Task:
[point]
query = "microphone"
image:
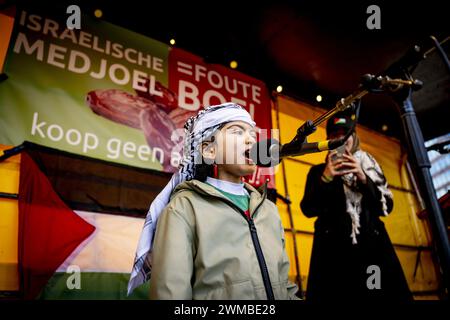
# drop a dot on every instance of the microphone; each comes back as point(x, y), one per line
point(375, 84)
point(269, 152)
point(266, 153)
point(371, 82)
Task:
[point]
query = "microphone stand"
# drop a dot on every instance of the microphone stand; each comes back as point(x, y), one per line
point(369, 84)
point(294, 147)
point(401, 89)
point(417, 153)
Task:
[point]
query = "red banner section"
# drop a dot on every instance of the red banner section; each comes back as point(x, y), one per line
point(197, 84)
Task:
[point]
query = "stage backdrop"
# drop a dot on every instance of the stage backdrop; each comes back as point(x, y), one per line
point(109, 93)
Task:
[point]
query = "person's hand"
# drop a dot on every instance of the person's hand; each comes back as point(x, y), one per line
point(330, 170)
point(350, 164)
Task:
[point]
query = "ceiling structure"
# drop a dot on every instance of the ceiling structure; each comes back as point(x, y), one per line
point(308, 47)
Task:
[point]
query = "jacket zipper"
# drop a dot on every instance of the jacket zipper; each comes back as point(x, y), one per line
point(257, 245)
point(261, 261)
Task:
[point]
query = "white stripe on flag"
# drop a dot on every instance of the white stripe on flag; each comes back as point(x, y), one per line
point(110, 248)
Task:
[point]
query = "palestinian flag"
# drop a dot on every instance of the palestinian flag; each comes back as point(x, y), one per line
point(100, 267)
point(78, 224)
point(339, 121)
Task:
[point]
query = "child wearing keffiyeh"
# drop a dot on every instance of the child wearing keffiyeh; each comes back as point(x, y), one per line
point(208, 235)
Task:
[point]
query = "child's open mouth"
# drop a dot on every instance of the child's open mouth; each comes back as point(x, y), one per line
point(247, 158)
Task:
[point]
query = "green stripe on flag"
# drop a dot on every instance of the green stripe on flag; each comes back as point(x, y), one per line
point(93, 286)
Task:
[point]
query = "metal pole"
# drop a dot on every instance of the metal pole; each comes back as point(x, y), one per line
point(291, 220)
point(341, 105)
point(419, 159)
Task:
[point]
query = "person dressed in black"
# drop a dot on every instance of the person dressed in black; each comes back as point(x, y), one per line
point(352, 255)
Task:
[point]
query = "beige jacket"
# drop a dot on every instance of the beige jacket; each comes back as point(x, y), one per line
point(203, 248)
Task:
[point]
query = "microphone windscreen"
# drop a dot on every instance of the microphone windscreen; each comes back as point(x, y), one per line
point(266, 153)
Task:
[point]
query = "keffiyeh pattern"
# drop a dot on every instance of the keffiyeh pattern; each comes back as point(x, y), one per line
point(353, 197)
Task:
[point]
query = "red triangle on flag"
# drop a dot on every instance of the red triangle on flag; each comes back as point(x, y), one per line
point(48, 229)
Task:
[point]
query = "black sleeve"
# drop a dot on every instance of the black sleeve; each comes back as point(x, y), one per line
point(316, 192)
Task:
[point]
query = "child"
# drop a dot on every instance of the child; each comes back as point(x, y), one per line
point(217, 238)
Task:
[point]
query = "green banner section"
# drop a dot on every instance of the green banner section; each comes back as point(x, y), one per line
point(55, 73)
point(92, 286)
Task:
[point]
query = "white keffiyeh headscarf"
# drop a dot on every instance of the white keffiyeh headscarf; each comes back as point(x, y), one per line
point(353, 197)
point(197, 130)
